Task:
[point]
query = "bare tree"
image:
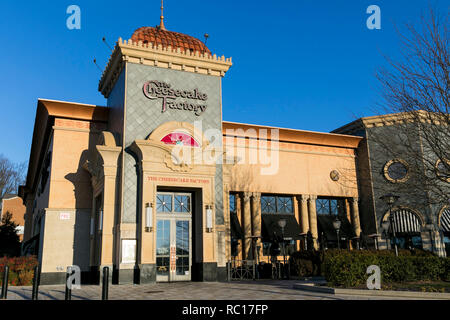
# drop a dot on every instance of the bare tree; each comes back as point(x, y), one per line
point(416, 89)
point(11, 176)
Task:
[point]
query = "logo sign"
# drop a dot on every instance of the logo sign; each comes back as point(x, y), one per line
point(189, 100)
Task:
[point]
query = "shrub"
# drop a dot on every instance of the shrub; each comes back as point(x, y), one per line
point(348, 268)
point(21, 270)
point(306, 263)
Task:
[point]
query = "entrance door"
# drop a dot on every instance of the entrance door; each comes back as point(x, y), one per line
point(173, 236)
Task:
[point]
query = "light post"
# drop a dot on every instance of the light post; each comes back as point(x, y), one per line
point(282, 225)
point(337, 227)
point(388, 225)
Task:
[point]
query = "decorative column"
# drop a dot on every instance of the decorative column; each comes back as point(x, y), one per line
point(298, 218)
point(313, 219)
point(304, 217)
point(247, 224)
point(355, 217)
point(256, 217)
point(109, 156)
point(227, 221)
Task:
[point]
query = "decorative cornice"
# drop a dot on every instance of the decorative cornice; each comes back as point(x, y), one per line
point(159, 56)
point(392, 119)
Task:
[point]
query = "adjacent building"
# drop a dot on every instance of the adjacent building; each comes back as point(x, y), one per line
point(14, 205)
point(393, 158)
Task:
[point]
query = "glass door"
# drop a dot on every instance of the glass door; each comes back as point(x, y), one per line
point(173, 237)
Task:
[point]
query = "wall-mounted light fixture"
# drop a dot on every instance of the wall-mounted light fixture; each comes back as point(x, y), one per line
point(149, 217)
point(92, 226)
point(100, 220)
point(209, 223)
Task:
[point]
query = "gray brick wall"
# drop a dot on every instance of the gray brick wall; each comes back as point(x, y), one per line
point(144, 115)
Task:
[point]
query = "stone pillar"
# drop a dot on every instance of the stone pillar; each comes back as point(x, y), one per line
point(247, 223)
point(355, 217)
point(304, 217)
point(312, 213)
point(109, 156)
point(256, 217)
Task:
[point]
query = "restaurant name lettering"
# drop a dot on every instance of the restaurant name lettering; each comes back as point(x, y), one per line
point(161, 90)
point(176, 179)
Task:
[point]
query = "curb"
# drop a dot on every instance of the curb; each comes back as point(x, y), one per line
point(374, 293)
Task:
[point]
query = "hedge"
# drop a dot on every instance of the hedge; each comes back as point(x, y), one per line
point(348, 268)
point(21, 270)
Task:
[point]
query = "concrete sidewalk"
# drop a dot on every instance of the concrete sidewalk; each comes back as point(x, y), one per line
point(236, 290)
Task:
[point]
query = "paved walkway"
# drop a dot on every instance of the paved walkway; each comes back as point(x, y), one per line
point(242, 290)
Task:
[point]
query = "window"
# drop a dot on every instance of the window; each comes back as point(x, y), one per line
point(276, 204)
point(396, 171)
point(169, 202)
point(180, 138)
point(164, 203)
point(329, 206)
point(443, 170)
point(232, 203)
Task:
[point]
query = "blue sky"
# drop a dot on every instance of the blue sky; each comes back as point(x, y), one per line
point(303, 64)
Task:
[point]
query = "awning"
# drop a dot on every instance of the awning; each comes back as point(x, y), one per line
point(325, 224)
point(445, 220)
point(405, 221)
point(271, 230)
point(236, 230)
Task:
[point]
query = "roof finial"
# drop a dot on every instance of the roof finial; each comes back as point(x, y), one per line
point(161, 25)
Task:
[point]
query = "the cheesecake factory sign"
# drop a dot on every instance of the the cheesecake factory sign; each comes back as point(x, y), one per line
point(189, 100)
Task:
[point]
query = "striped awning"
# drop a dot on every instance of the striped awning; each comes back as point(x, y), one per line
point(405, 221)
point(445, 220)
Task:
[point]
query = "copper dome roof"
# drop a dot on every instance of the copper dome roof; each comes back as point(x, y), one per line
point(166, 38)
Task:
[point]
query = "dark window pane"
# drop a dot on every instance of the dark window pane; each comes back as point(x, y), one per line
point(284, 205)
point(232, 203)
point(164, 203)
point(162, 266)
point(323, 206)
point(182, 203)
point(397, 170)
point(334, 206)
point(268, 204)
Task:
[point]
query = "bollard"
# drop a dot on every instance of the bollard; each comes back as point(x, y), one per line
point(36, 280)
point(68, 292)
point(5, 283)
point(105, 283)
point(229, 271)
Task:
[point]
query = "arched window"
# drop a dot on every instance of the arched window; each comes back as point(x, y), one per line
point(405, 221)
point(180, 138)
point(445, 221)
point(407, 226)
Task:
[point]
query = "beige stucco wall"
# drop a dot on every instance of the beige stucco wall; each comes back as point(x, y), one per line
point(298, 169)
point(66, 237)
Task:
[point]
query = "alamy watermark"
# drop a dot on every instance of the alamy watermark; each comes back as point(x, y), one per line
point(74, 278)
point(73, 22)
point(233, 146)
point(374, 20)
point(374, 280)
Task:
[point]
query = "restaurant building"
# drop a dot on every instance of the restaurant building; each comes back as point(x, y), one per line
point(157, 187)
